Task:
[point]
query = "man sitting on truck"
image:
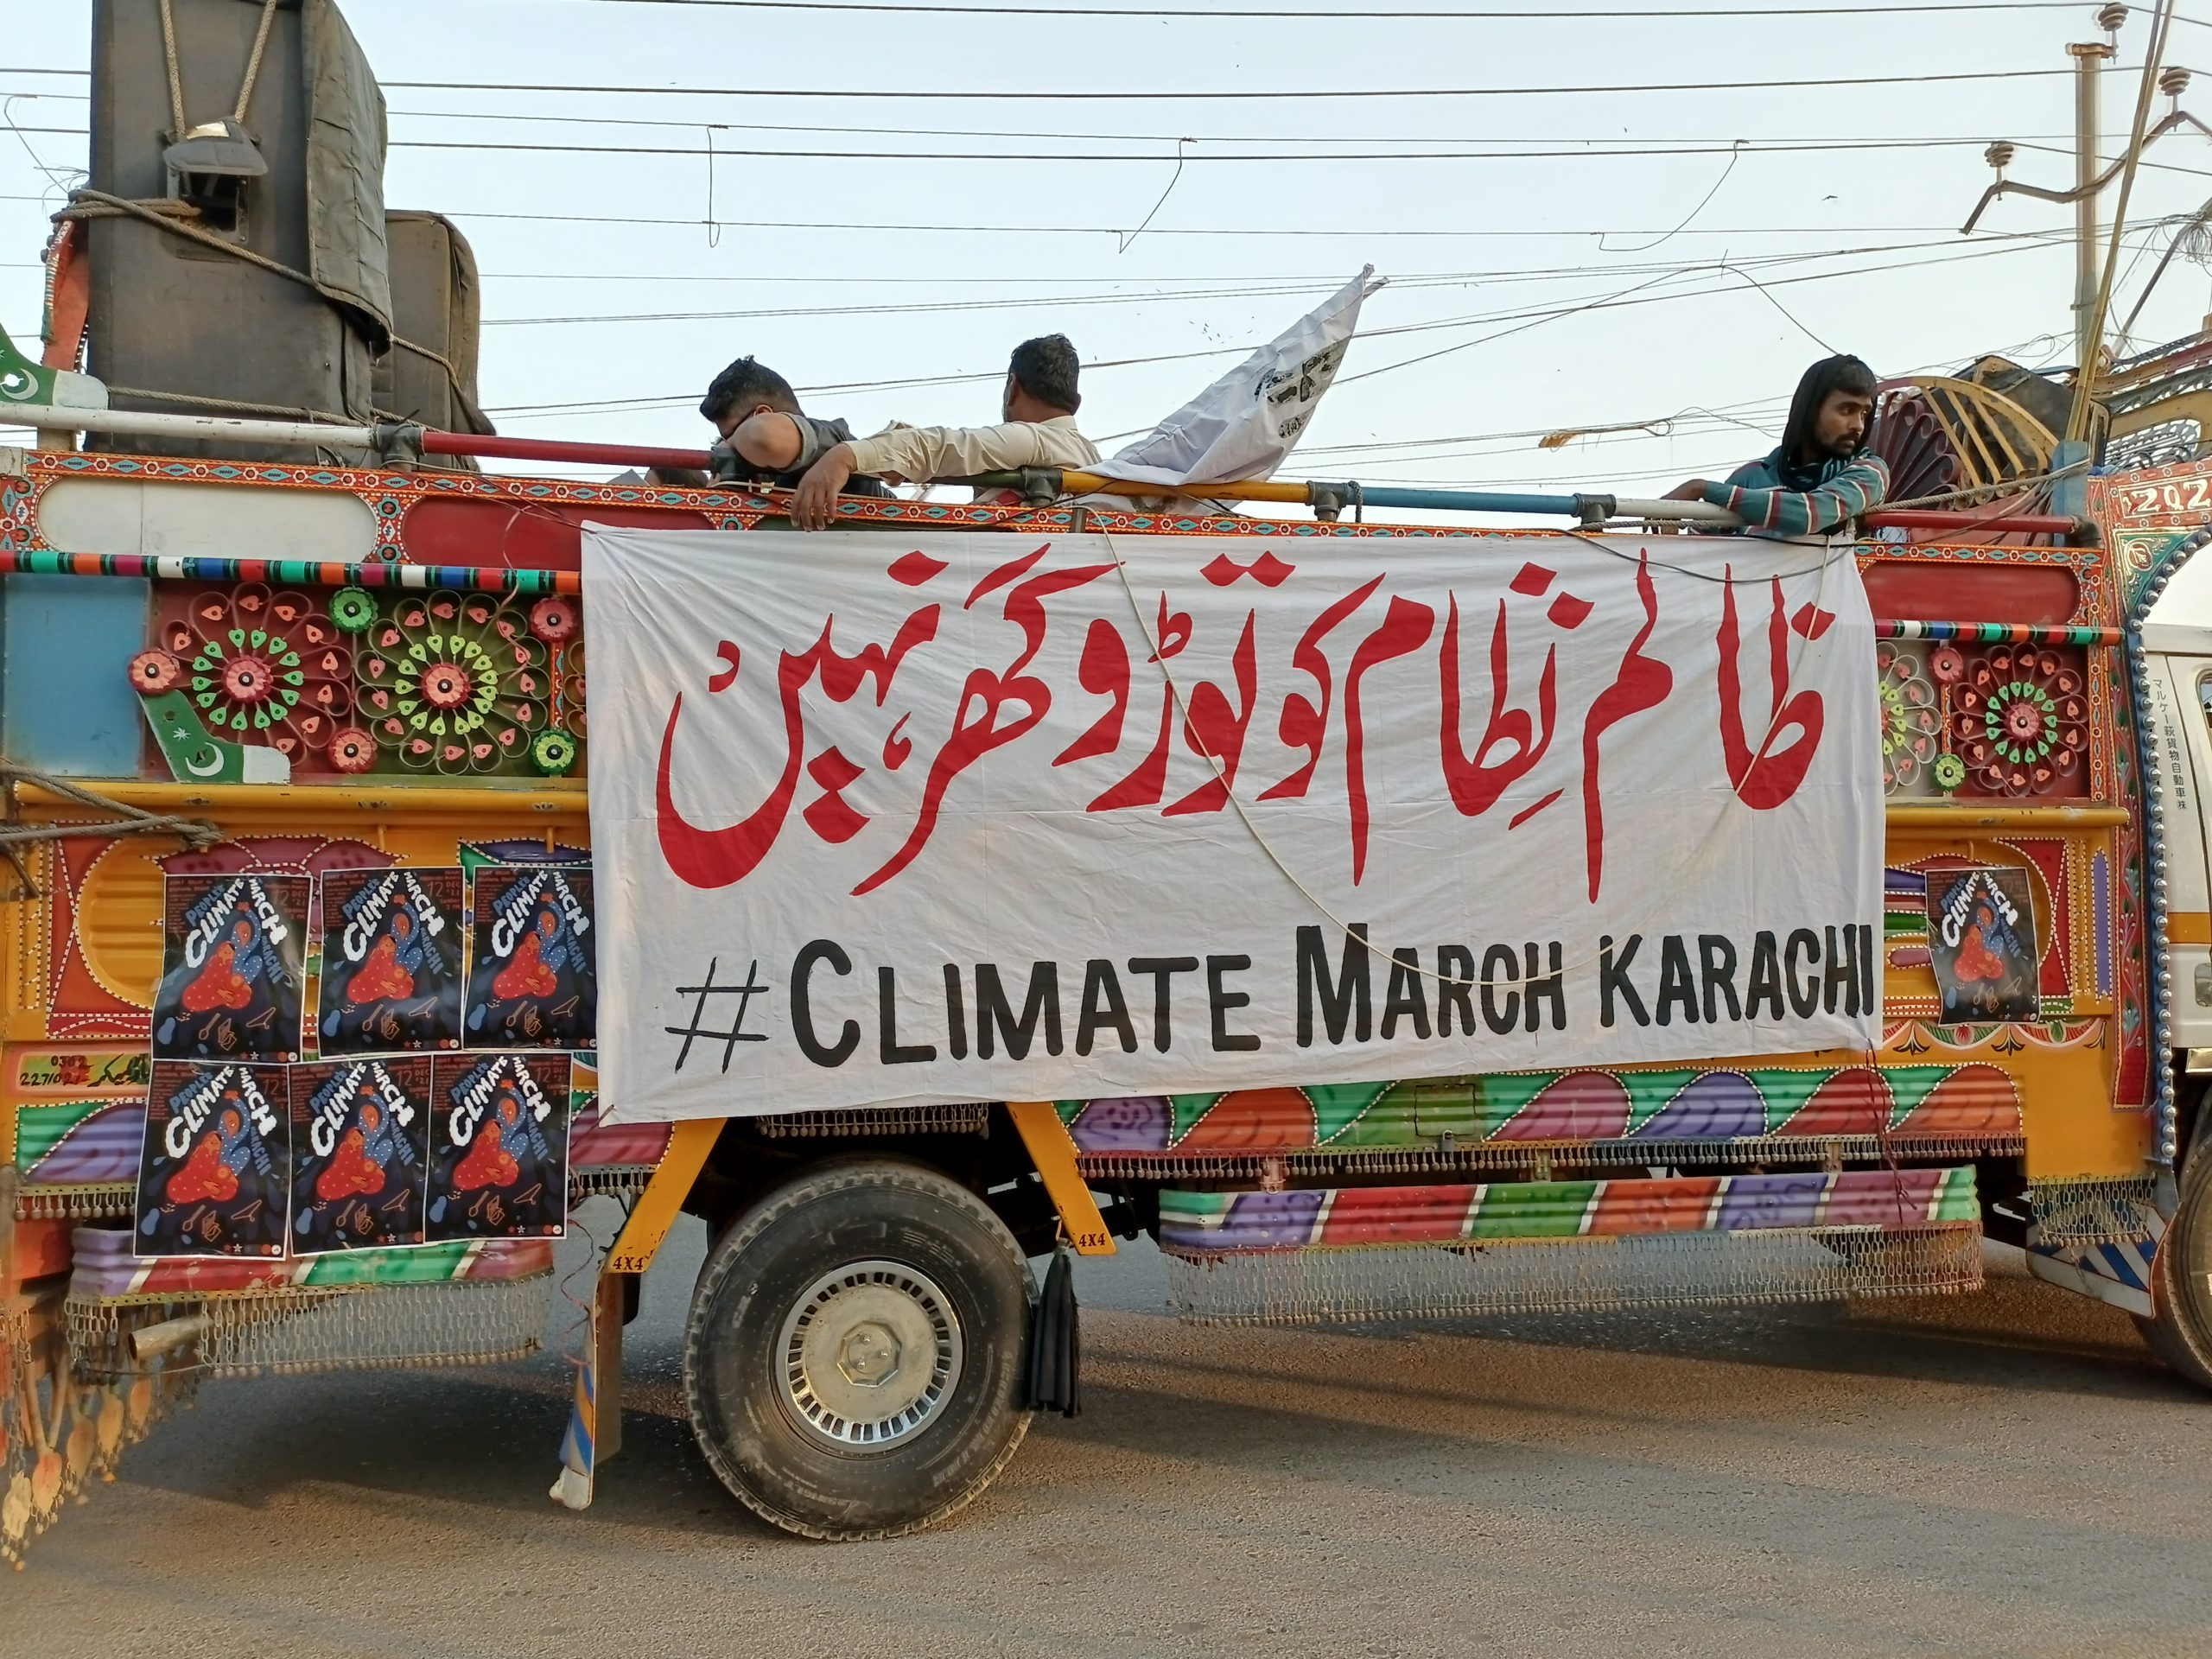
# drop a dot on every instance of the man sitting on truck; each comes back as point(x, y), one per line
point(1038, 430)
point(1823, 475)
point(766, 439)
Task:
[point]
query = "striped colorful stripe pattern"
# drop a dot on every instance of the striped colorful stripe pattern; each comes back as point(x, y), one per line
point(1971, 1102)
point(1214, 1223)
point(291, 573)
point(95, 1143)
point(2002, 634)
point(499, 579)
point(105, 1271)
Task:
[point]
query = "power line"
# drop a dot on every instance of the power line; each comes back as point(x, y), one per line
point(1236, 94)
point(1522, 318)
point(1751, 146)
point(1593, 146)
point(1363, 15)
point(1287, 288)
point(1425, 232)
point(1765, 147)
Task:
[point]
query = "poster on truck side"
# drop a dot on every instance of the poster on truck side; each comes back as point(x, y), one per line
point(360, 1137)
point(391, 979)
point(1982, 943)
point(499, 1145)
point(233, 949)
point(969, 815)
point(533, 979)
point(214, 1170)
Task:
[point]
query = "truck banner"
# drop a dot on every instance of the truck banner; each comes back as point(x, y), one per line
point(1061, 817)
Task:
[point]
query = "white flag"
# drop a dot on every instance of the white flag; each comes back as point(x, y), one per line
point(1243, 426)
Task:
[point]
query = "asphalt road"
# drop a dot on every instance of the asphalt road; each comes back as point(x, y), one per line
point(2007, 1474)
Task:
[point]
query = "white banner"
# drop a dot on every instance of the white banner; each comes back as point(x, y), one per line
point(887, 818)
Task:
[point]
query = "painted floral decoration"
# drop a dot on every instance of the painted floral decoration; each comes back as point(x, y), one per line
point(352, 750)
point(155, 671)
point(455, 683)
point(353, 609)
point(554, 753)
point(1912, 724)
point(261, 666)
point(2019, 719)
point(553, 619)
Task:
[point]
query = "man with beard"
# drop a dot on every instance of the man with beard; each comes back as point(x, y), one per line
point(1823, 475)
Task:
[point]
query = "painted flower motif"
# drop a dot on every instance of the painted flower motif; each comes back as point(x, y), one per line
point(2020, 721)
point(352, 750)
point(152, 672)
point(353, 609)
point(262, 667)
point(554, 619)
point(455, 683)
point(1947, 664)
point(1950, 772)
point(553, 753)
point(1911, 723)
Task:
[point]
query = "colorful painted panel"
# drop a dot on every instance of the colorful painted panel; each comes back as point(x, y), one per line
point(1975, 1101)
point(242, 683)
point(1206, 1223)
point(105, 1270)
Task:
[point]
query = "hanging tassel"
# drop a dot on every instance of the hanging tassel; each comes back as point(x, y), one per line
point(1055, 1342)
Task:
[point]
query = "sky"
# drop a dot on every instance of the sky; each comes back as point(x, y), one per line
point(1545, 276)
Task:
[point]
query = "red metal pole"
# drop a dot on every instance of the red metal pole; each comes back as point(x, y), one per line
point(608, 454)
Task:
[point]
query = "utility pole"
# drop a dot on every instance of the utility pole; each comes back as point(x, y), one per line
point(2091, 172)
point(2090, 60)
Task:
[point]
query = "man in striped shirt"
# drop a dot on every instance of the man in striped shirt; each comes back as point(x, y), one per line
point(1823, 475)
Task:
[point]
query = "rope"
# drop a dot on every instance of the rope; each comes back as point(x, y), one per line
point(98, 204)
point(231, 405)
point(253, 62)
point(196, 833)
point(176, 81)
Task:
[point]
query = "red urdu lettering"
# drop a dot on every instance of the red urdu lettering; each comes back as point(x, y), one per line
point(1104, 670)
point(1405, 629)
point(1145, 785)
point(1765, 779)
point(1304, 724)
point(716, 858)
point(972, 738)
point(1477, 781)
point(1643, 683)
point(1215, 731)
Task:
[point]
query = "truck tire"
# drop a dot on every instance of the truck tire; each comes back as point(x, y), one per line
point(854, 1361)
point(2180, 1328)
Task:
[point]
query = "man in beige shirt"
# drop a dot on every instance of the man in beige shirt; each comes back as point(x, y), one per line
point(1039, 429)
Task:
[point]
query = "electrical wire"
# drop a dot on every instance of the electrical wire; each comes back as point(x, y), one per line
point(936, 8)
point(1522, 320)
point(1241, 94)
point(1287, 289)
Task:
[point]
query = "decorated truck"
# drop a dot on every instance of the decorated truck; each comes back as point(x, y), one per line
point(1384, 920)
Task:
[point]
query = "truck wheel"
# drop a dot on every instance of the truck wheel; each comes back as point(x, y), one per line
point(854, 1361)
point(2180, 1328)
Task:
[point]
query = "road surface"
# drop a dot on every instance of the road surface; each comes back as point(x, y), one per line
point(2005, 1474)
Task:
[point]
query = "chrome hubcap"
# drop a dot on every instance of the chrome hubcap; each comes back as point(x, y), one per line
point(869, 1353)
